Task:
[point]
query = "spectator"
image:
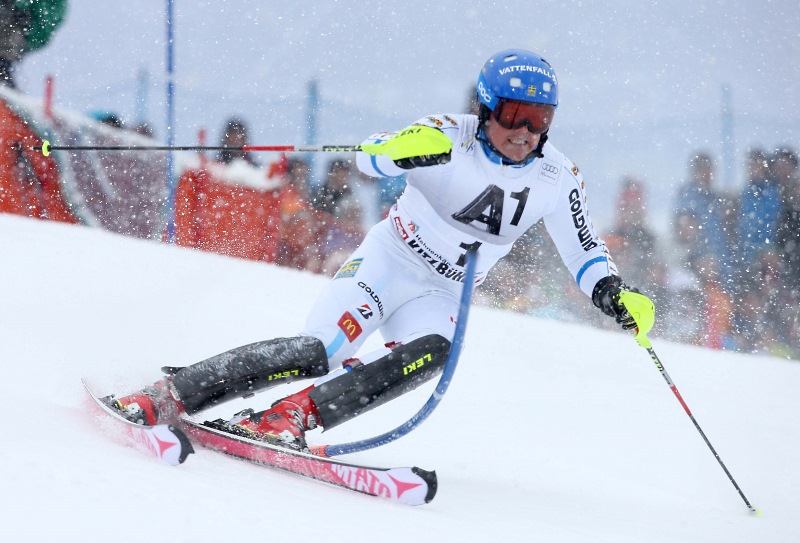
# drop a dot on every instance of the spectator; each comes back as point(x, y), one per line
point(760, 204)
point(698, 198)
point(632, 241)
point(109, 119)
point(302, 226)
point(27, 25)
point(144, 129)
point(337, 194)
point(787, 237)
point(683, 319)
point(717, 306)
point(759, 314)
point(314, 237)
point(235, 134)
point(783, 167)
point(337, 197)
point(473, 106)
point(507, 289)
point(749, 322)
point(685, 312)
point(792, 320)
point(298, 176)
point(634, 244)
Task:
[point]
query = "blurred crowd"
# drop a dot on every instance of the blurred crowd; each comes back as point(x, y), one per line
point(324, 222)
point(324, 217)
point(727, 276)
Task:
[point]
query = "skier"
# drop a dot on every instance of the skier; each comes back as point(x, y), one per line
point(475, 182)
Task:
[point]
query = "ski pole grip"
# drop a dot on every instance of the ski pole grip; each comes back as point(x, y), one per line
point(643, 311)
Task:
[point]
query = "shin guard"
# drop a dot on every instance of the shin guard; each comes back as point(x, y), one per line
point(249, 369)
point(370, 385)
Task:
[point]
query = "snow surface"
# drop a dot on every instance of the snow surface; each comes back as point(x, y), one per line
point(549, 432)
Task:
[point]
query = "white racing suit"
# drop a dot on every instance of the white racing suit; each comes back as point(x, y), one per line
point(406, 277)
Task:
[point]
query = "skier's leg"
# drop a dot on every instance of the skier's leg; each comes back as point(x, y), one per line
point(346, 312)
point(238, 372)
point(425, 323)
point(421, 329)
point(249, 369)
point(349, 394)
point(377, 279)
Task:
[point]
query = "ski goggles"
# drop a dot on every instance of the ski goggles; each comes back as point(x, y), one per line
point(512, 114)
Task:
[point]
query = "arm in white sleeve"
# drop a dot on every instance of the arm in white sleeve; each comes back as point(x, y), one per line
point(378, 165)
point(571, 229)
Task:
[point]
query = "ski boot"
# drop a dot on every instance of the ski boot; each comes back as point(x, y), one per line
point(154, 404)
point(284, 424)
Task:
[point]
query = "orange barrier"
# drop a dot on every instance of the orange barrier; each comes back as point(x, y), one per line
point(213, 215)
point(250, 214)
point(29, 181)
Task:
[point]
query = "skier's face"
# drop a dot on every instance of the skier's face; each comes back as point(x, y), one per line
point(515, 143)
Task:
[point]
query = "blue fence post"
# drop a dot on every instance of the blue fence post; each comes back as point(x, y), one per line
point(171, 182)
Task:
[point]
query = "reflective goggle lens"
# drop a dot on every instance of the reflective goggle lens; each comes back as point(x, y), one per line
point(511, 114)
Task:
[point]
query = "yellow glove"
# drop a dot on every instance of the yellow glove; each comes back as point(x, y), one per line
point(415, 146)
point(643, 311)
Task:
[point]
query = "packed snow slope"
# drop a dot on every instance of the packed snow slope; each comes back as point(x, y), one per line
point(549, 432)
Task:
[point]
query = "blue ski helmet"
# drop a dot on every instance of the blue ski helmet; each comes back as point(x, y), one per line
point(516, 74)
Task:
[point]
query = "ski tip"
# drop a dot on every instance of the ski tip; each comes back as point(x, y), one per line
point(430, 479)
point(186, 444)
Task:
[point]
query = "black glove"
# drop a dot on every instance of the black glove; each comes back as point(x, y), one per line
point(606, 297)
point(421, 161)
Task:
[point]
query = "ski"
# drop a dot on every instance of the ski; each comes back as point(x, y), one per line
point(410, 486)
point(165, 441)
point(170, 443)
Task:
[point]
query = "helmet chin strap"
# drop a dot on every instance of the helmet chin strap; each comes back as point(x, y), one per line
point(492, 151)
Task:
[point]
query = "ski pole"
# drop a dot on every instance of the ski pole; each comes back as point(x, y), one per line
point(636, 304)
point(46, 147)
point(411, 142)
point(441, 387)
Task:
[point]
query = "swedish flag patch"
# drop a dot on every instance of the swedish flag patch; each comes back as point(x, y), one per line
point(349, 269)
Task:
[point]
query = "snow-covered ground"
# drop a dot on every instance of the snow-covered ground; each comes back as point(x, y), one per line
point(549, 432)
